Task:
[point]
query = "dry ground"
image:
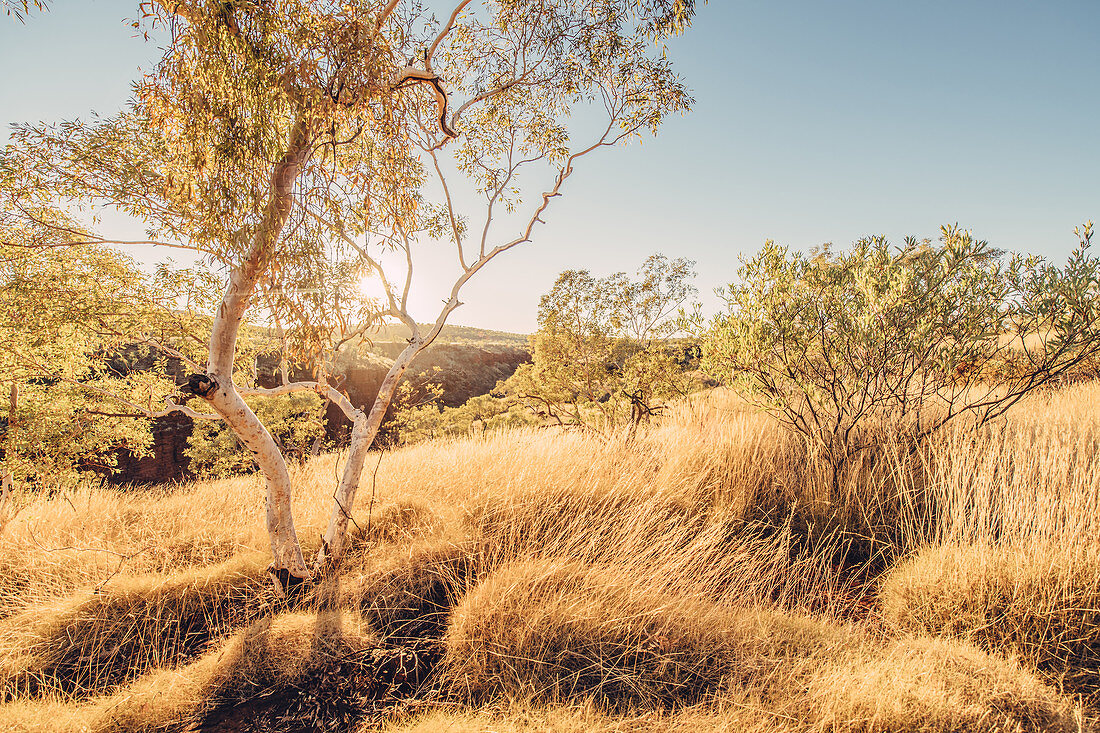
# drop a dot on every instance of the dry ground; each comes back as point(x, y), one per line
point(706, 576)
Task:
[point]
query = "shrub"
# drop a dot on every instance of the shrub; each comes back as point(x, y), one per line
point(294, 420)
point(846, 348)
point(604, 354)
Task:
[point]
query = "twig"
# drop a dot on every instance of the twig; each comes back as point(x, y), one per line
point(122, 557)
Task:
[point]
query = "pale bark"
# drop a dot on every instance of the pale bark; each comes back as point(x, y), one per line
point(365, 427)
point(220, 390)
point(5, 493)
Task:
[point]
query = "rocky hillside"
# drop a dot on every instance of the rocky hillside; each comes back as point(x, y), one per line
point(470, 362)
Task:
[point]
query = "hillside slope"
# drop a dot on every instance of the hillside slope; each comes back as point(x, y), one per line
point(703, 576)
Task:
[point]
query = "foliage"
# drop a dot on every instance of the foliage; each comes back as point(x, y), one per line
point(90, 346)
point(19, 9)
point(846, 347)
point(604, 354)
point(477, 415)
point(418, 412)
point(302, 145)
point(70, 399)
point(296, 422)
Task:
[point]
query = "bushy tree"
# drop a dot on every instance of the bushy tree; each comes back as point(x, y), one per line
point(604, 353)
point(71, 401)
point(850, 347)
point(300, 145)
point(91, 347)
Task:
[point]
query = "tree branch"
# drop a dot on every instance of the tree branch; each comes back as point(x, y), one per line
point(324, 390)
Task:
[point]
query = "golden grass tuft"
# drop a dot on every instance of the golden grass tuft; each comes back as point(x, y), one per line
point(1039, 603)
point(105, 636)
point(408, 594)
point(554, 632)
point(915, 684)
point(274, 657)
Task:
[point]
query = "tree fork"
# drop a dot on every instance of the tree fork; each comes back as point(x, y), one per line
point(365, 429)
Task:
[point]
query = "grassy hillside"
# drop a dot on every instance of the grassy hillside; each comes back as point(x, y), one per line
point(708, 575)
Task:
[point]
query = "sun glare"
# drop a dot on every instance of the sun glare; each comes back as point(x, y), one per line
point(371, 288)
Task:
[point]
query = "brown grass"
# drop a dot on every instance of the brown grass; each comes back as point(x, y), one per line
point(543, 632)
point(269, 658)
point(707, 575)
point(1040, 603)
point(99, 638)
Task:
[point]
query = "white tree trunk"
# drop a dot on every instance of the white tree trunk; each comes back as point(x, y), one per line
point(218, 387)
point(285, 549)
point(364, 430)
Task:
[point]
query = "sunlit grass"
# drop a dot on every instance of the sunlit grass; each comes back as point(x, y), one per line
point(586, 583)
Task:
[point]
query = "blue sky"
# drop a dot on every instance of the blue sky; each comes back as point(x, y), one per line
point(815, 122)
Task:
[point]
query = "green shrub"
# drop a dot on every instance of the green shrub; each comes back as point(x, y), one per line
point(846, 347)
point(296, 421)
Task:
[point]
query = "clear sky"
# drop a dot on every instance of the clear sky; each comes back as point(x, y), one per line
point(815, 122)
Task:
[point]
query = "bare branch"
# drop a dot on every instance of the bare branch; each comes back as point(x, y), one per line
point(423, 76)
point(324, 390)
point(443, 34)
point(450, 208)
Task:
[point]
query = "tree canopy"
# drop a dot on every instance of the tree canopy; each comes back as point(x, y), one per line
point(604, 354)
point(299, 145)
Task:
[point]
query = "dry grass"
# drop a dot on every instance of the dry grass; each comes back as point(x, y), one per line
point(707, 575)
point(96, 639)
point(556, 631)
point(1039, 602)
point(268, 658)
point(720, 716)
point(540, 632)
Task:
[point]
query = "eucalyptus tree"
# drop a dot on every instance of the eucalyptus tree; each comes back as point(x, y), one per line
point(301, 145)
